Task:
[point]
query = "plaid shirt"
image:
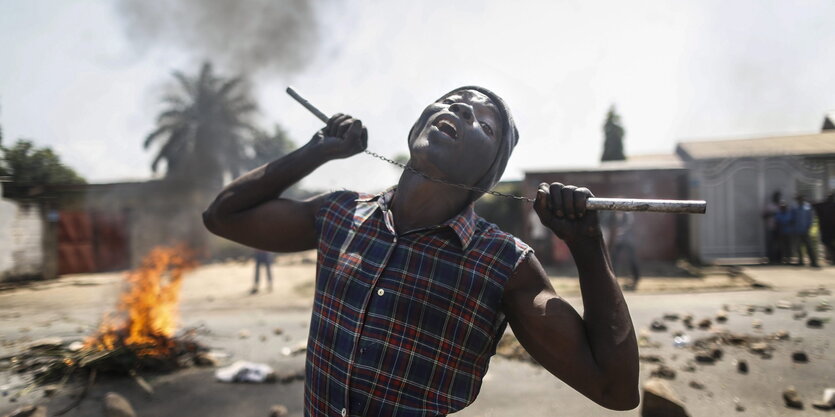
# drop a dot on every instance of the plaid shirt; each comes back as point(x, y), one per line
point(403, 325)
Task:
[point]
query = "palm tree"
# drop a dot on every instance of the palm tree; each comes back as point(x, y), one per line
point(205, 130)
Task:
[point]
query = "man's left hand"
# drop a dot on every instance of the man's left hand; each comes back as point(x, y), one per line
point(562, 208)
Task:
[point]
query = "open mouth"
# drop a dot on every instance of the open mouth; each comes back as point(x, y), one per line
point(447, 127)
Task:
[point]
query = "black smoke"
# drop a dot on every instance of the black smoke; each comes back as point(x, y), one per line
point(248, 36)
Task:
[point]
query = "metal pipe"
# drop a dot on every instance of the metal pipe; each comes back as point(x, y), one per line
point(656, 206)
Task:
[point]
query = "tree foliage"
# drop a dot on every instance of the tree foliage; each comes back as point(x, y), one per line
point(25, 164)
point(613, 132)
point(267, 147)
point(205, 131)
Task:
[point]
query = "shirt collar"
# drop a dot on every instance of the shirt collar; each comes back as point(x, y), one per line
point(463, 224)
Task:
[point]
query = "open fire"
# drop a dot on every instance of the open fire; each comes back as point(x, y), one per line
point(146, 318)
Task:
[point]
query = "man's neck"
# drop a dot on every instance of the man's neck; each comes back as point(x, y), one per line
point(419, 203)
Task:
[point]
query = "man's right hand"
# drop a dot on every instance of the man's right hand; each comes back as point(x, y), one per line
point(342, 137)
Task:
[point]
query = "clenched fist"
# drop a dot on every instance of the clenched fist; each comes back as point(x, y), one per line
point(342, 137)
point(562, 208)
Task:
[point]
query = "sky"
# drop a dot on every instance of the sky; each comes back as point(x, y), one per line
point(74, 77)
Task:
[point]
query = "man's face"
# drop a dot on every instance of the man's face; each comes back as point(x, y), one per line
point(457, 137)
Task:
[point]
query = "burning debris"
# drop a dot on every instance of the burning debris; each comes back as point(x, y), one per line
point(139, 335)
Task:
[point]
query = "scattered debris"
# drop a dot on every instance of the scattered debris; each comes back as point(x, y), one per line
point(681, 341)
point(279, 410)
point(242, 371)
point(800, 357)
point(780, 335)
point(28, 411)
point(768, 309)
point(814, 323)
point(658, 326)
point(650, 358)
point(705, 324)
point(664, 371)
point(721, 317)
point(688, 368)
point(813, 293)
point(244, 334)
point(704, 357)
point(661, 401)
point(823, 306)
point(278, 331)
point(785, 304)
point(116, 405)
point(760, 348)
point(792, 398)
point(206, 359)
point(687, 320)
point(799, 315)
point(671, 316)
point(738, 405)
point(697, 385)
point(828, 402)
point(742, 366)
point(301, 347)
point(757, 324)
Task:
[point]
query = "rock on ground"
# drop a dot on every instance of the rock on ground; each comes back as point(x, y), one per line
point(116, 405)
point(792, 398)
point(661, 401)
point(278, 411)
point(28, 411)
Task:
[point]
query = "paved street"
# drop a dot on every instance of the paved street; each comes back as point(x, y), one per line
point(216, 303)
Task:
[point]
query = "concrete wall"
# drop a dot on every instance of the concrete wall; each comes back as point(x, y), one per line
point(737, 190)
point(21, 240)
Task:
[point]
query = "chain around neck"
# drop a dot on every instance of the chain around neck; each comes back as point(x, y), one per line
point(439, 180)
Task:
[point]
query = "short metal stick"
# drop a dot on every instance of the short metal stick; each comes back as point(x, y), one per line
point(656, 206)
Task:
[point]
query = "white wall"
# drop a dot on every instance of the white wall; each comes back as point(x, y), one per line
point(21, 234)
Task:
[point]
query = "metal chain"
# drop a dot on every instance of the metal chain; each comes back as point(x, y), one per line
point(442, 181)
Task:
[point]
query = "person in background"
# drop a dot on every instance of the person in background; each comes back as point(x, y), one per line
point(772, 238)
point(784, 223)
point(263, 258)
point(826, 224)
point(621, 244)
point(803, 216)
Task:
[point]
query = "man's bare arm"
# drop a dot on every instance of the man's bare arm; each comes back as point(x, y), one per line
point(250, 211)
point(597, 353)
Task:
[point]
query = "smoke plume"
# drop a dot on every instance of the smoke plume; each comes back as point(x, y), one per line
point(243, 35)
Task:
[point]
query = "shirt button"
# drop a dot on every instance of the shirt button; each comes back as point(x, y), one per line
point(380, 292)
point(344, 412)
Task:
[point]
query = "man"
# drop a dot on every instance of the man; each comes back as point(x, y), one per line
point(826, 224)
point(803, 217)
point(772, 245)
point(266, 259)
point(414, 290)
point(621, 244)
point(784, 222)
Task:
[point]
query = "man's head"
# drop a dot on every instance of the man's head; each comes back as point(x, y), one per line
point(776, 197)
point(464, 137)
point(799, 198)
point(783, 206)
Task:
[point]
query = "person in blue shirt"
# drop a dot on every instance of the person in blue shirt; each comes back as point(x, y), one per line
point(784, 224)
point(803, 217)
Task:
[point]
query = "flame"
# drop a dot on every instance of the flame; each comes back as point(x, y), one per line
point(146, 317)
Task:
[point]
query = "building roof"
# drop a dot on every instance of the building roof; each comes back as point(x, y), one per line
point(646, 162)
point(815, 144)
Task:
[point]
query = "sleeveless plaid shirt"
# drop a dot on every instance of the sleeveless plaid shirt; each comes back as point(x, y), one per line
point(403, 324)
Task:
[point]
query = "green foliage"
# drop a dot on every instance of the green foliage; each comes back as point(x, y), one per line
point(614, 132)
point(25, 164)
point(267, 147)
point(205, 131)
